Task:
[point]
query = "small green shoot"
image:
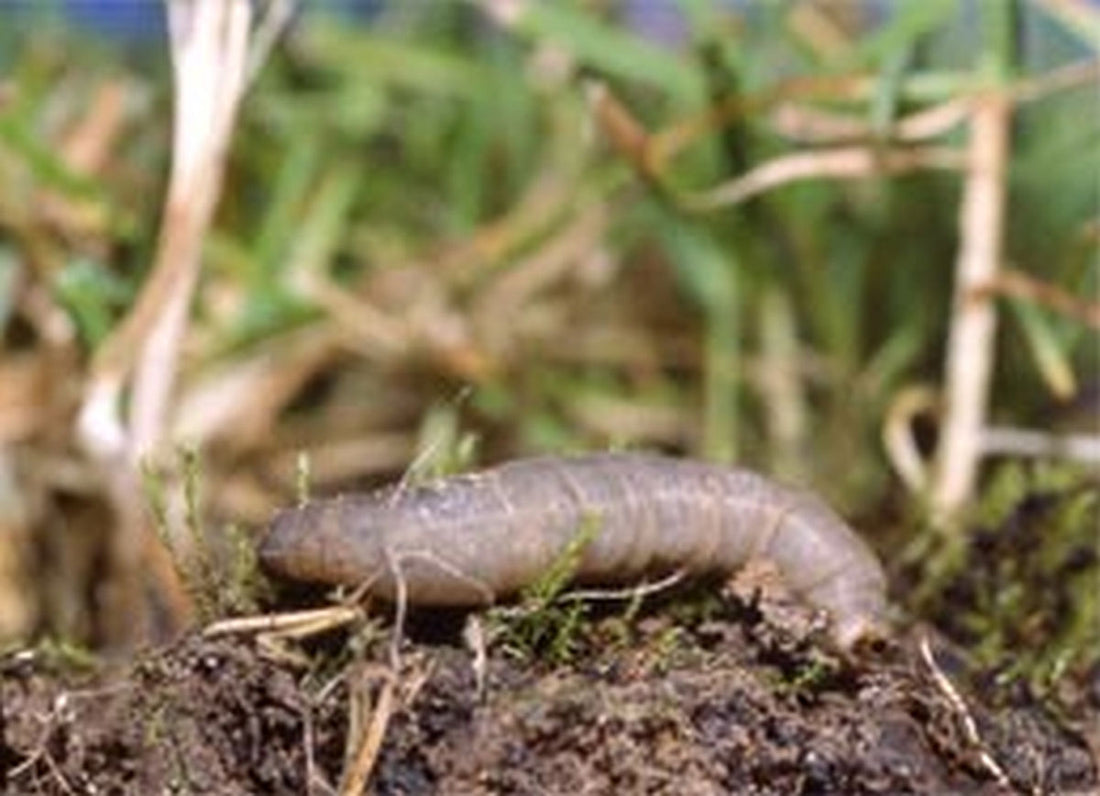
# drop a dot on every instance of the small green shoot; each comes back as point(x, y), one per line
point(152, 484)
point(621, 626)
point(51, 654)
point(218, 574)
point(811, 676)
point(196, 530)
point(302, 477)
point(543, 626)
point(444, 448)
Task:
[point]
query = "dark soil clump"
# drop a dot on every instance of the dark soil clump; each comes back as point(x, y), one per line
point(727, 700)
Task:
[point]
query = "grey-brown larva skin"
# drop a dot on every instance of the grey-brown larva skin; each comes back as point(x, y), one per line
point(470, 539)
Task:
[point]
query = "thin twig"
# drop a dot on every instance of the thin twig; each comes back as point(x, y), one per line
point(307, 747)
point(958, 704)
point(362, 764)
point(292, 623)
point(473, 635)
point(401, 608)
point(630, 593)
point(488, 596)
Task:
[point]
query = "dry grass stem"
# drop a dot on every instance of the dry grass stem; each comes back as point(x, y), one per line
point(628, 419)
point(549, 195)
point(292, 624)
point(970, 346)
point(209, 46)
point(782, 388)
point(1075, 75)
point(641, 591)
point(1016, 284)
point(370, 741)
point(666, 144)
point(625, 133)
point(86, 148)
point(819, 29)
point(502, 305)
point(822, 126)
point(375, 333)
point(817, 126)
point(845, 163)
point(1074, 15)
point(1083, 448)
point(897, 435)
point(241, 401)
point(209, 43)
point(474, 637)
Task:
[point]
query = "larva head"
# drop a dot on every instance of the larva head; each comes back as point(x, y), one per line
point(827, 563)
point(316, 543)
point(856, 604)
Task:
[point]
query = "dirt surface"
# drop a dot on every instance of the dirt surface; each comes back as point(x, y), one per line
point(730, 694)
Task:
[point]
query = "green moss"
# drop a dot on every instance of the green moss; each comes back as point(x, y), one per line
point(543, 626)
point(1021, 590)
point(219, 573)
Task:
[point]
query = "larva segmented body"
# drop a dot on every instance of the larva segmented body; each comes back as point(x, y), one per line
point(470, 539)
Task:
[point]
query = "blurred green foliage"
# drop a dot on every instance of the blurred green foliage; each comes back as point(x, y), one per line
point(366, 147)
